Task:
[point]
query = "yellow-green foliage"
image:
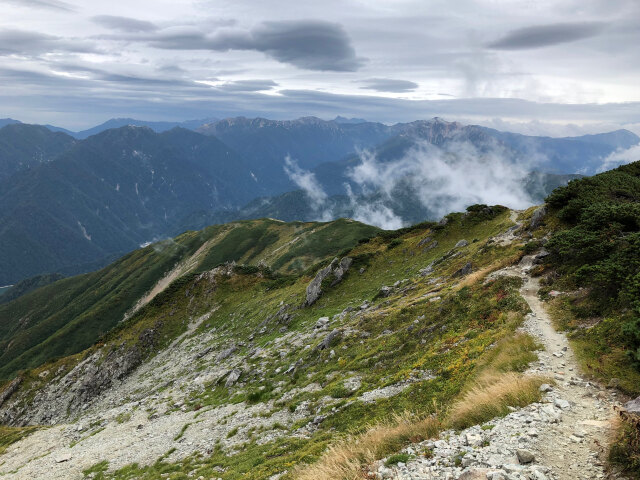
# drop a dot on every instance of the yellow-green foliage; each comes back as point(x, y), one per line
point(403, 335)
point(10, 435)
point(597, 343)
point(493, 396)
point(624, 451)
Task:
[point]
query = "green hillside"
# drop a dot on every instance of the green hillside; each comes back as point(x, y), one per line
point(221, 340)
point(70, 315)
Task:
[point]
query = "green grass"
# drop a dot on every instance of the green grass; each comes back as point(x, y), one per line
point(624, 451)
point(396, 459)
point(448, 338)
point(10, 435)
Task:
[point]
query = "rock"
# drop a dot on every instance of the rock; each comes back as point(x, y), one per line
point(424, 241)
point(341, 269)
point(330, 340)
point(233, 377)
point(561, 403)
point(539, 258)
point(314, 289)
point(633, 406)
point(474, 474)
point(461, 243)
point(426, 270)
point(62, 457)
point(226, 353)
point(385, 291)
point(536, 218)
point(525, 456)
point(545, 387)
point(10, 390)
point(322, 322)
point(466, 270)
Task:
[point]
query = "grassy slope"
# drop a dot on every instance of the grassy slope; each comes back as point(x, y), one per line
point(407, 333)
point(594, 228)
point(70, 315)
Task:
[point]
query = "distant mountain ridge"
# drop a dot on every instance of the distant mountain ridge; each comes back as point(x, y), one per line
point(71, 205)
point(109, 194)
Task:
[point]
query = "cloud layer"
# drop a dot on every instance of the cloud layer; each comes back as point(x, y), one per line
point(388, 60)
point(547, 35)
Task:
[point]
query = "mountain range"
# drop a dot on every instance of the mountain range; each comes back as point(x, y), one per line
point(70, 205)
point(267, 350)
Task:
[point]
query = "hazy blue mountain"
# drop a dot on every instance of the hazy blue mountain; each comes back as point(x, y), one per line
point(26, 146)
point(309, 141)
point(157, 126)
point(7, 121)
point(111, 193)
point(341, 119)
point(581, 154)
point(69, 205)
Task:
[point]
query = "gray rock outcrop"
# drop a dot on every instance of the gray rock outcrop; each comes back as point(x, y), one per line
point(536, 218)
point(338, 269)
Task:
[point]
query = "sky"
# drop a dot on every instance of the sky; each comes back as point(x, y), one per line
point(556, 67)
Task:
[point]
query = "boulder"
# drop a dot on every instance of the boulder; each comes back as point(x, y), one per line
point(461, 243)
point(424, 241)
point(341, 269)
point(330, 340)
point(525, 456)
point(337, 268)
point(10, 390)
point(633, 406)
point(536, 218)
point(466, 270)
point(426, 270)
point(233, 377)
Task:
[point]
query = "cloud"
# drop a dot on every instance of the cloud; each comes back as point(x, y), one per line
point(307, 44)
point(547, 35)
point(306, 181)
point(445, 179)
point(621, 157)
point(124, 24)
point(24, 42)
point(388, 85)
point(47, 4)
point(247, 85)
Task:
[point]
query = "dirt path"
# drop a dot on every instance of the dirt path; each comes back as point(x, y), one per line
point(566, 433)
point(574, 448)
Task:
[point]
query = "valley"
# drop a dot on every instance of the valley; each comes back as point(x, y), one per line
point(250, 365)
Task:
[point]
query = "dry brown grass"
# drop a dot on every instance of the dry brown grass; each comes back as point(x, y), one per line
point(492, 396)
point(479, 275)
point(347, 459)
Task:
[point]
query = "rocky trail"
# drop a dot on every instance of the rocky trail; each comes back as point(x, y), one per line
point(563, 437)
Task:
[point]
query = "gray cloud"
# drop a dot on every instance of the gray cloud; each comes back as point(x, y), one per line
point(124, 24)
point(547, 35)
point(24, 42)
point(307, 44)
point(48, 4)
point(388, 85)
point(247, 85)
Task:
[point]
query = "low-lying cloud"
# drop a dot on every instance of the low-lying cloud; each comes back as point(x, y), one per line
point(306, 181)
point(621, 157)
point(429, 178)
